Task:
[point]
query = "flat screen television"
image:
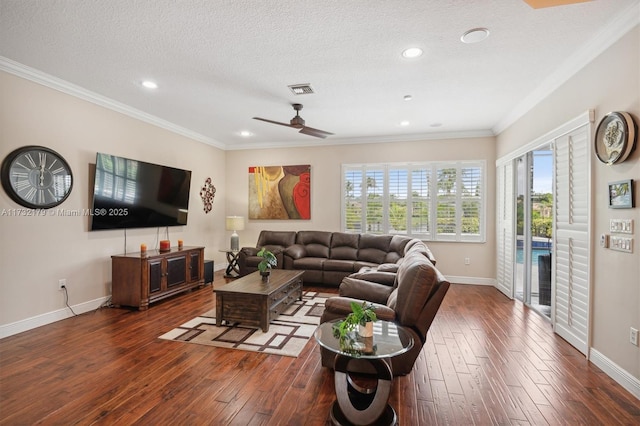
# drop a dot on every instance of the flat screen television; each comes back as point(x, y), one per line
point(134, 194)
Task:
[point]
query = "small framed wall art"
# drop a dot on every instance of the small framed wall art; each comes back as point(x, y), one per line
point(621, 194)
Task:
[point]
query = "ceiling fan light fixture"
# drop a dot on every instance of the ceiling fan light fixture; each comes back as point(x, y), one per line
point(474, 35)
point(246, 133)
point(412, 52)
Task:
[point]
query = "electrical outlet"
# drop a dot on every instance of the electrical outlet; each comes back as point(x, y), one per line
point(633, 336)
point(62, 283)
point(467, 261)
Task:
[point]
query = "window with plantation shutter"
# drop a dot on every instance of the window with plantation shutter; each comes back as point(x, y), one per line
point(431, 201)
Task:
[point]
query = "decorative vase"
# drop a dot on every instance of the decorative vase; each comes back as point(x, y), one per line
point(265, 275)
point(366, 330)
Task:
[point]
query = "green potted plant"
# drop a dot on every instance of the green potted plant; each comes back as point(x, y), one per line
point(360, 319)
point(268, 261)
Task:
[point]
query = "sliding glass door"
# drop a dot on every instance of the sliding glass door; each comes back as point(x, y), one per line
point(534, 207)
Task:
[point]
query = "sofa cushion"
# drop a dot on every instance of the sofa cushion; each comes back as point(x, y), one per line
point(415, 281)
point(344, 246)
point(282, 239)
point(352, 287)
point(396, 248)
point(309, 263)
point(316, 242)
point(388, 267)
point(420, 247)
point(338, 265)
point(373, 248)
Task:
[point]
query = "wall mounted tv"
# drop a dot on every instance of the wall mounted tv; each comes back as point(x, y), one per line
point(134, 194)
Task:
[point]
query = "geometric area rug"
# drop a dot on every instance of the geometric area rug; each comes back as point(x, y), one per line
point(287, 335)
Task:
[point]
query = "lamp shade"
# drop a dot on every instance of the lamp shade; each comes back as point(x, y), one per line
point(235, 223)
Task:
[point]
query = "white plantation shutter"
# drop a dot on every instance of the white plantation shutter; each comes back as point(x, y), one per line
point(431, 201)
point(571, 227)
point(472, 196)
point(397, 204)
point(352, 208)
point(374, 190)
point(420, 202)
point(504, 228)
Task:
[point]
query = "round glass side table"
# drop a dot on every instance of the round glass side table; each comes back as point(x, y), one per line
point(357, 404)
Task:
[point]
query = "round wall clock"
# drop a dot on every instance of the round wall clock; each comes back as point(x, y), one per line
point(36, 177)
point(615, 137)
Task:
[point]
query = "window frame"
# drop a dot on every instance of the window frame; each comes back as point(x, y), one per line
point(429, 170)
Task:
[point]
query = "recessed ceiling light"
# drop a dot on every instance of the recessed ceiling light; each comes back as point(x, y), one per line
point(246, 133)
point(407, 97)
point(150, 84)
point(404, 123)
point(412, 52)
point(474, 35)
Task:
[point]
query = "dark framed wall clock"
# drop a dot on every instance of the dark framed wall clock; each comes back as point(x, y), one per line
point(615, 137)
point(36, 177)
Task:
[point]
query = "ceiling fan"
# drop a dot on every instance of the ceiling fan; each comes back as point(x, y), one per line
point(297, 122)
point(538, 4)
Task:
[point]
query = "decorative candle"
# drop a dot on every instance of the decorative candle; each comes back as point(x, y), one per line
point(165, 245)
point(179, 244)
point(143, 249)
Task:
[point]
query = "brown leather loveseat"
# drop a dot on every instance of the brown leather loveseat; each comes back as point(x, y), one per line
point(328, 257)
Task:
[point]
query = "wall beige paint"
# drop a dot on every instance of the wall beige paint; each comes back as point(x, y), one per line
point(37, 251)
point(326, 163)
point(611, 82)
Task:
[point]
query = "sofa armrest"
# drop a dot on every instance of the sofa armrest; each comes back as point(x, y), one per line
point(365, 290)
point(386, 278)
point(339, 305)
point(296, 251)
point(249, 251)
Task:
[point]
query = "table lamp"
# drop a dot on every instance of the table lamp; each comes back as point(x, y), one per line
point(235, 223)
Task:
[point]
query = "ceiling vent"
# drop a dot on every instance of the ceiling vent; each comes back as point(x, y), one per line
point(301, 89)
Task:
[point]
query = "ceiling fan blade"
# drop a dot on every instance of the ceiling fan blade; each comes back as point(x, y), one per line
point(315, 132)
point(273, 122)
point(538, 4)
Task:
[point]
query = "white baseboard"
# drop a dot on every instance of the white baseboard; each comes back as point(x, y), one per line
point(617, 373)
point(7, 330)
point(471, 280)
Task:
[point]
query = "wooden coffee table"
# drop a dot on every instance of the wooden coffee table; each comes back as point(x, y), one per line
point(252, 301)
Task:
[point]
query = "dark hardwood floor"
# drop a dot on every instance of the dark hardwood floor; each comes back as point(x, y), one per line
point(488, 360)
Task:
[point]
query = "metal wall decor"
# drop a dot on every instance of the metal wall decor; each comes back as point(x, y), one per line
point(615, 137)
point(207, 193)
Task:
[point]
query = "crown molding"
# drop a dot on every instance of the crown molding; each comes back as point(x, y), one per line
point(614, 31)
point(315, 142)
point(28, 73)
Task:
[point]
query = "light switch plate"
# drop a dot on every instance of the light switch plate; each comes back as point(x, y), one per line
point(621, 226)
point(624, 244)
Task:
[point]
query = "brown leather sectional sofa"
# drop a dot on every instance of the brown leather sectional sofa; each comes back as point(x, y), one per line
point(328, 257)
point(397, 274)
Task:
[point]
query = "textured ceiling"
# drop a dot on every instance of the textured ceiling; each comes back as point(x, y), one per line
point(220, 63)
